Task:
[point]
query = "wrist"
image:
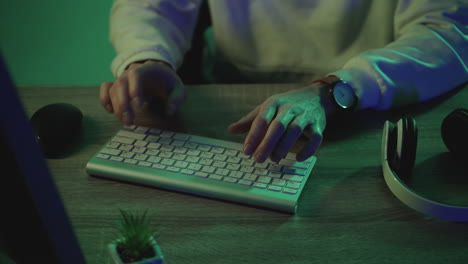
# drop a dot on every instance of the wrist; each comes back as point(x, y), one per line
point(150, 61)
point(323, 90)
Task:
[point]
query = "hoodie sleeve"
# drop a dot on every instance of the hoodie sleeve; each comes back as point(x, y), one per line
point(151, 29)
point(428, 57)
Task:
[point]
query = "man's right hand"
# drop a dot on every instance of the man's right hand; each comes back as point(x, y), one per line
point(139, 83)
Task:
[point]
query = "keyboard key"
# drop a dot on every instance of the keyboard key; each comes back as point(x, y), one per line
point(219, 164)
point(259, 171)
point(158, 166)
point(151, 138)
point(165, 141)
point(154, 145)
point(178, 156)
point(245, 182)
point(259, 185)
point(192, 159)
point(165, 154)
point(129, 134)
point(155, 131)
point(130, 161)
point(195, 167)
point(222, 172)
point(180, 150)
point(191, 145)
point(141, 129)
point(264, 179)
point(125, 147)
point(220, 157)
point(204, 147)
point(201, 174)
point(295, 178)
point(111, 151)
point(293, 185)
point(289, 191)
point(231, 152)
point(278, 182)
point(114, 158)
point(141, 157)
point(140, 143)
point(154, 159)
point(167, 162)
point(230, 179)
point(144, 164)
point(181, 136)
point(127, 154)
point(167, 148)
point(152, 152)
point(208, 169)
point(275, 174)
point(113, 145)
point(231, 166)
point(246, 169)
point(193, 152)
point(167, 134)
point(247, 162)
point(207, 155)
point(103, 156)
point(294, 163)
point(274, 188)
point(173, 169)
point(217, 150)
point(292, 170)
point(215, 177)
point(181, 164)
point(236, 174)
point(187, 171)
point(263, 165)
point(233, 160)
point(250, 177)
point(206, 162)
point(139, 149)
point(177, 143)
point(275, 167)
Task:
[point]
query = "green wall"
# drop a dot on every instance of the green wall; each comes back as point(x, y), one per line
point(56, 42)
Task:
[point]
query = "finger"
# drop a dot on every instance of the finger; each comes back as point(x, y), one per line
point(104, 96)
point(176, 98)
point(243, 125)
point(120, 101)
point(312, 145)
point(292, 134)
point(259, 128)
point(135, 89)
point(274, 133)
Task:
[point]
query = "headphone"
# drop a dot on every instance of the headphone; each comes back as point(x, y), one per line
point(399, 153)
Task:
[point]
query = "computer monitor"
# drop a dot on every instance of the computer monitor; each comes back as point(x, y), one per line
point(34, 226)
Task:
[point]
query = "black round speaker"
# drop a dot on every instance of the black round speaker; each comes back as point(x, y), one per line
point(454, 131)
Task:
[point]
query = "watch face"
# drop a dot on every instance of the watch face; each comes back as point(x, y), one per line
point(344, 95)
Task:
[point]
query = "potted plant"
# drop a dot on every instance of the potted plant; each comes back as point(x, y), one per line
point(135, 243)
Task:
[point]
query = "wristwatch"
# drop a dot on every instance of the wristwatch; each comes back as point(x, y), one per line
point(340, 93)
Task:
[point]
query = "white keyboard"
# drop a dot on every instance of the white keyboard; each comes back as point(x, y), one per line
point(202, 166)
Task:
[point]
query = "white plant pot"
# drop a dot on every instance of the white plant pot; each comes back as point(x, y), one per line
point(115, 257)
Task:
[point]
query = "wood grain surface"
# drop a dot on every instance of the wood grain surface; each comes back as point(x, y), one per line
point(346, 213)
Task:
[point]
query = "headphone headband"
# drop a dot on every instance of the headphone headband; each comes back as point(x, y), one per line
point(398, 155)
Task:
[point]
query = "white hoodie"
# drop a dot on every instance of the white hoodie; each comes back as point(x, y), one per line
point(392, 52)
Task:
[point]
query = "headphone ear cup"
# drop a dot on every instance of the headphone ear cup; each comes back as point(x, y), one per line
point(454, 132)
point(406, 146)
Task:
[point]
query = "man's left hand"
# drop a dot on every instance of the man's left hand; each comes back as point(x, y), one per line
point(275, 125)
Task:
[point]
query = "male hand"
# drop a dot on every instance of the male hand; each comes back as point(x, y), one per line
point(139, 83)
point(276, 124)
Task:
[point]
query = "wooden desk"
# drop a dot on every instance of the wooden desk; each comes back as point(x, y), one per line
point(346, 213)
